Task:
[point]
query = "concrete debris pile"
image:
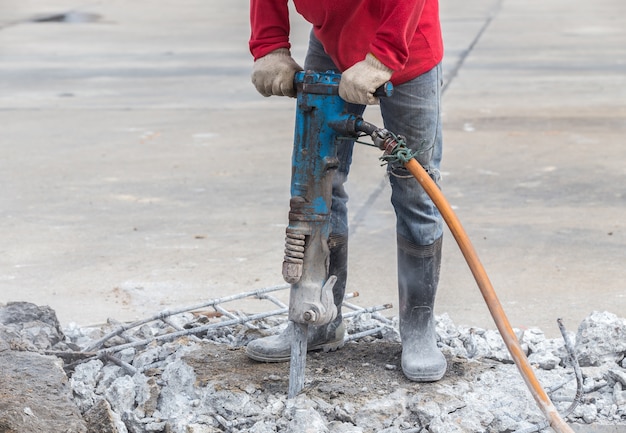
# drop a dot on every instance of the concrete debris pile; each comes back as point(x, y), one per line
point(201, 383)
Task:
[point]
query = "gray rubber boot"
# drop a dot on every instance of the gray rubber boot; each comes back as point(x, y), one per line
point(277, 348)
point(418, 277)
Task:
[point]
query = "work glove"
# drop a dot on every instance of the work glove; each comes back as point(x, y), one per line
point(360, 81)
point(273, 73)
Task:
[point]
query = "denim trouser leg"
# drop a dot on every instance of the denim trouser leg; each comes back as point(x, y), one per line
point(412, 111)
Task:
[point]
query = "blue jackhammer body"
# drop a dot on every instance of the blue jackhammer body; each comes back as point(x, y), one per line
point(320, 122)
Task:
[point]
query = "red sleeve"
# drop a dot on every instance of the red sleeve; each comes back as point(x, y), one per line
point(398, 25)
point(269, 26)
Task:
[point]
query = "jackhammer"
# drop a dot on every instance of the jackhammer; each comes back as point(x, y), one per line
point(321, 122)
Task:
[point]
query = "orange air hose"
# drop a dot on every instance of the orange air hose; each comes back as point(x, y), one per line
point(489, 294)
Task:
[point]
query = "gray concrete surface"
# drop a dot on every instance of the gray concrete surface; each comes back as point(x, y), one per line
point(141, 171)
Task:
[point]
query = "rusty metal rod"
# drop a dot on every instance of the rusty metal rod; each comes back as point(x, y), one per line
point(372, 309)
point(359, 335)
point(198, 330)
point(211, 326)
point(489, 294)
point(375, 315)
point(125, 365)
point(575, 365)
point(167, 313)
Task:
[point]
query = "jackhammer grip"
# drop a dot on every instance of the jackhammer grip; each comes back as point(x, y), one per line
point(386, 90)
point(328, 83)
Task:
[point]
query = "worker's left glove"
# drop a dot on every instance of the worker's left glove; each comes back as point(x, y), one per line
point(360, 81)
point(273, 74)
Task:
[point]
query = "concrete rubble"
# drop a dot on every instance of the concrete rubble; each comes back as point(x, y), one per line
point(204, 383)
point(124, 128)
point(35, 395)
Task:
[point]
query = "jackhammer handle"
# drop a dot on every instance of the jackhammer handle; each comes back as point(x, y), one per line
point(386, 90)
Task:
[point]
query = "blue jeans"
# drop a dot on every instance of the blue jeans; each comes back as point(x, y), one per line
point(414, 112)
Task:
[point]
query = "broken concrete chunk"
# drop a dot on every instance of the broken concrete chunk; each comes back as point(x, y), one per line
point(601, 338)
point(35, 395)
point(101, 419)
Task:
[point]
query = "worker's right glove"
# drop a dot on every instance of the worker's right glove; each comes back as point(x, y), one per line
point(360, 81)
point(273, 73)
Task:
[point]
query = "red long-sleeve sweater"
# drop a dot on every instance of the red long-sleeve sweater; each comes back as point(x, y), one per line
point(405, 35)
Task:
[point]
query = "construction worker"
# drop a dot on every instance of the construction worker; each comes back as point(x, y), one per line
point(370, 42)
